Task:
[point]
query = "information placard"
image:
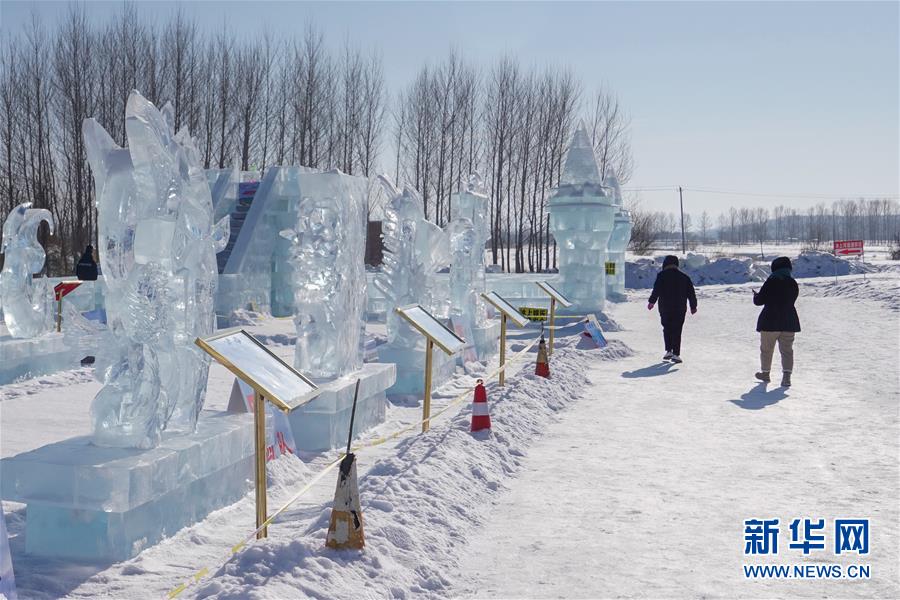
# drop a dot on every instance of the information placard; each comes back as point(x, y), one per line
point(506, 308)
point(554, 293)
point(592, 330)
point(431, 328)
point(251, 361)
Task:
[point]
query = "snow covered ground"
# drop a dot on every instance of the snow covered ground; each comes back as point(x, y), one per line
point(641, 489)
point(618, 477)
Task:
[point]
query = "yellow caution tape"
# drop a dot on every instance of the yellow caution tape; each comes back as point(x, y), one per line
point(196, 577)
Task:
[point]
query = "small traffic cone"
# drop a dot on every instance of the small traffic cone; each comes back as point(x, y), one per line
point(346, 529)
point(481, 417)
point(542, 367)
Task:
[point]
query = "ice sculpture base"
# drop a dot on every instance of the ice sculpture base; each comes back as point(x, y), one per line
point(108, 504)
point(322, 424)
point(486, 340)
point(411, 369)
point(32, 357)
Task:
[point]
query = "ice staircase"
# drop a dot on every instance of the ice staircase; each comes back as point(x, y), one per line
point(246, 192)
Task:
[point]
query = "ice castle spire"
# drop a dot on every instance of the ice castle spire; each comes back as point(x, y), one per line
point(581, 162)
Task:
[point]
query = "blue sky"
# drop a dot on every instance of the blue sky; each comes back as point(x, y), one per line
point(787, 98)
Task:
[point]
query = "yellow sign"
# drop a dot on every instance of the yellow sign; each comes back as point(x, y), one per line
point(610, 268)
point(534, 314)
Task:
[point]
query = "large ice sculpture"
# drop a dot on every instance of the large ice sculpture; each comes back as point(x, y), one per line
point(468, 233)
point(581, 219)
point(158, 250)
point(27, 307)
point(618, 240)
point(467, 266)
point(327, 258)
point(414, 249)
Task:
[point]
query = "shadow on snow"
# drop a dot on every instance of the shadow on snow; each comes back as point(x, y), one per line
point(758, 397)
point(661, 368)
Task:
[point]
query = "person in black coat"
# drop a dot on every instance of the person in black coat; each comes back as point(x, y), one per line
point(86, 269)
point(675, 291)
point(778, 320)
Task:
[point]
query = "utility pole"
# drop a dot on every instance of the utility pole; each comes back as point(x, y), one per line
point(681, 202)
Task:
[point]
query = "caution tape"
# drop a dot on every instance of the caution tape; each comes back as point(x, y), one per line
point(196, 577)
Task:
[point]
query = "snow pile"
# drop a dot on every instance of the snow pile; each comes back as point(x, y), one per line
point(825, 264)
point(642, 272)
point(420, 505)
point(885, 290)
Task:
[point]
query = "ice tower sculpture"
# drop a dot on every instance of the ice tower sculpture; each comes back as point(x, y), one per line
point(158, 248)
point(414, 249)
point(27, 308)
point(618, 240)
point(329, 277)
point(581, 219)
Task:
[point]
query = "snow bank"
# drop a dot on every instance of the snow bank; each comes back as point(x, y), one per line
point(420, 505)
point(642, 272)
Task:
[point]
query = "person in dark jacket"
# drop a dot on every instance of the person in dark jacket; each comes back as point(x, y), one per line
point(778, 320)
point(675, 291)
point(86, 269)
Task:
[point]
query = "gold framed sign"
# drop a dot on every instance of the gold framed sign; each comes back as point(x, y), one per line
point(246, 357)
point(435, 332)
point(430, 327)
point(554, 293)
point(507, 309)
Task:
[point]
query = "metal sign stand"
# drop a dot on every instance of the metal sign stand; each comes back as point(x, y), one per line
point(506, 311)
point(433, 330)
point(554, 294)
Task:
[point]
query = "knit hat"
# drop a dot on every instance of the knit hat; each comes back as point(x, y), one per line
point(782, 262)
point(670, 260)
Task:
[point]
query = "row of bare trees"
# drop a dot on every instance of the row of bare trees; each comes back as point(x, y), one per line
point(513, 125)
point(875, 220)
point(267, 101)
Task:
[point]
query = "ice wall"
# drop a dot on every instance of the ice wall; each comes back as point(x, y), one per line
point(329, 279)
point(27, 306)
point(581, 219)
point(158, 248)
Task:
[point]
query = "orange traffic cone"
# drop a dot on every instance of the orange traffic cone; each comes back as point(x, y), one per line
point(481, 418)
point(542, 367)
point(346, 528)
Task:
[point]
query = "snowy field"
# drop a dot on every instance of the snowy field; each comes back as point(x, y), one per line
point(620, 476)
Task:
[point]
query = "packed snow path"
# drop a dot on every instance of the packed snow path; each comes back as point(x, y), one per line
point(642, 487)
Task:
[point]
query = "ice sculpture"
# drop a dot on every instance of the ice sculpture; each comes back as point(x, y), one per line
point(618, 240)
point(414, 249)
point(27, 307)
point(468, 233)
point(581, 219)
point(158, 250)
point(327, 258)
point(467, 266)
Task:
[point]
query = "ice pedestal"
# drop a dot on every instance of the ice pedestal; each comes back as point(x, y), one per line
point(101, 503)
point(411, 368)
point(49, 353)
point(323, 423)
point(486, 339)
